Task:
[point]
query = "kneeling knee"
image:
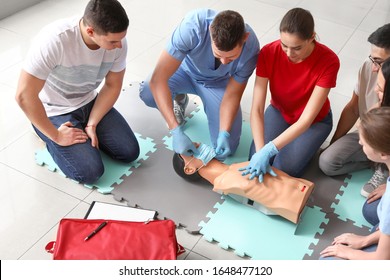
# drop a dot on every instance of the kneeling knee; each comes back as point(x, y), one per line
point(130, 155)
point(146, 95)
point(89, 174)
point(325, 164)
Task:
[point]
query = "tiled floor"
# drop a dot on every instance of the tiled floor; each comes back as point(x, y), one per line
point(33, 199)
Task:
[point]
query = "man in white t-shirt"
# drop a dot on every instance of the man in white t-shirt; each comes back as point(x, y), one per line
point(57, 90)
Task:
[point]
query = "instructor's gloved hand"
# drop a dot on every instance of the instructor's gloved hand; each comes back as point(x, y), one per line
point(223, 147)
point(259, 163)
point(181, 143)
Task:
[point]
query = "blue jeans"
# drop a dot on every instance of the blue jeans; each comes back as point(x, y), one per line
point(82, 162)
point(182, 83)
point(295, 156)
point(370, 213)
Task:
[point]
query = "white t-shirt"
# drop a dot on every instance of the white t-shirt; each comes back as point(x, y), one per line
point(71, 70)
point(365, 88)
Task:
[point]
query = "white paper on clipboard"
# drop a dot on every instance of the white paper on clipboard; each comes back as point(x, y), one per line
point(110, 211)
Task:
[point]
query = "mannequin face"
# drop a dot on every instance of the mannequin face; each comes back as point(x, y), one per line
point(191, 164)
point(188, 173)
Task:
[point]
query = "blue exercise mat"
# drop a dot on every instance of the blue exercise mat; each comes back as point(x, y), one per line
point(349, 202)
point(261, 237)
point(113, 170)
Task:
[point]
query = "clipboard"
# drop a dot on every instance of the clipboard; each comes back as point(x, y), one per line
point(110, 211)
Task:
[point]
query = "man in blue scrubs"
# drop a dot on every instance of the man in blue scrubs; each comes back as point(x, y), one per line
point(211, 55)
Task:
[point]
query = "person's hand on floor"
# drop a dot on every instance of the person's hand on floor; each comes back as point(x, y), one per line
point(351, 240)
point(338, 251)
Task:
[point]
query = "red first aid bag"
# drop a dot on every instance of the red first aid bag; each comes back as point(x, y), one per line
point(115, 240)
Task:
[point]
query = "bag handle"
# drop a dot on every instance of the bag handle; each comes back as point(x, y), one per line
point(180, 250)
point(50, 247)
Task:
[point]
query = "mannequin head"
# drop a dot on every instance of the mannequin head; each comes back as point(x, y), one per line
point(193, 169)
point(190, 174)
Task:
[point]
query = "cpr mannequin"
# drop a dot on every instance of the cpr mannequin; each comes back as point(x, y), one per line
point(283, 195)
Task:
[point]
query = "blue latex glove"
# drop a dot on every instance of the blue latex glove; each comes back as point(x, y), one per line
point(259, 163)
point(223, 146)
point(181, 143)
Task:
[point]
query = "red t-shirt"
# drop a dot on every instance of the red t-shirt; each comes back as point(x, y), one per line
point(291, 85)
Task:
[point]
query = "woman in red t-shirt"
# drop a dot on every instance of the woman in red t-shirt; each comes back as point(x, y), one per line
point(300, 73)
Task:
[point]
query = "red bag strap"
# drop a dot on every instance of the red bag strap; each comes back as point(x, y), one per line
point(50, 247)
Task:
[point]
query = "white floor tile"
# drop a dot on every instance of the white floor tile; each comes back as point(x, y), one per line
point(144, 64)
point(348, 13)
point(167, 20)
point(382, 5)
point(357, 46)
point(21, 156)
point(10, 76)
point(348, 74)
point(326, 35)
point(246, 100)
point(29, 209)
point(139, 42)
point(97, 196)
point(37, 251)
point(187, 240)
point(12, 50)
point(337, 102)
point(13, 122)
point(375, 18)
point(286, 4)
point(29, 21)
point(195, 257)
point(260, 16)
